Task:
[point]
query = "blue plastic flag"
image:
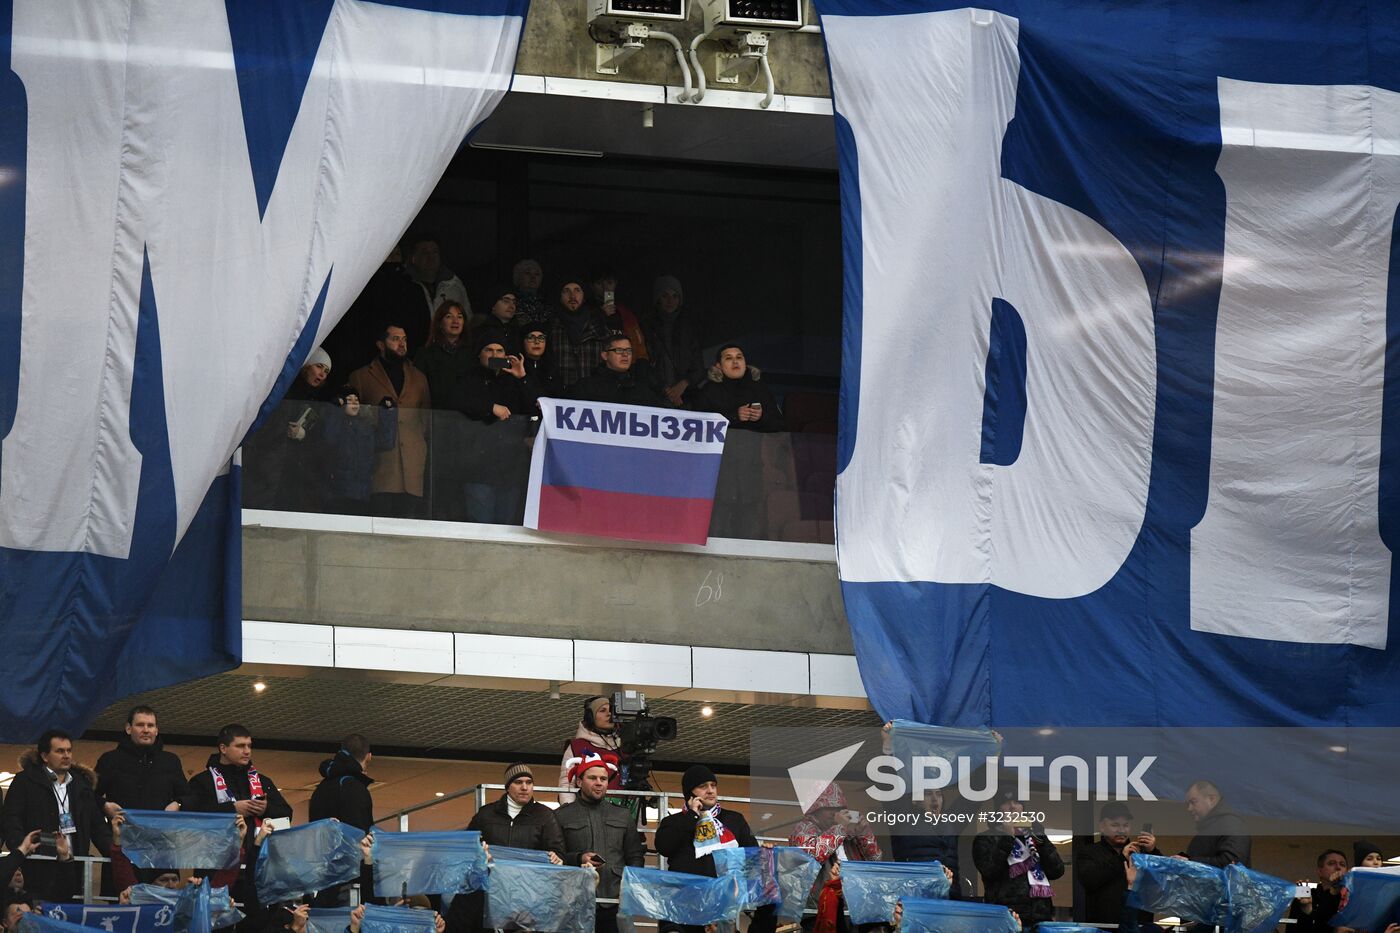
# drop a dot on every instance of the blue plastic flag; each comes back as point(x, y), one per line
point(871, 889)
point(119, 918)
point(797, 873)
point(1257, 901)
point(1190, 890)
point(960, 748)
point(514, 854)
point(428, 863)
point(756, 868)
point(1373, 899)
point(397, 920)
point(293, 862)
point(530, 895)
point(690, 900)
point(935, 915)
point(1066, 928)
point(191, 905)
point(160, 839)
point(222, 913)
point(328, 919)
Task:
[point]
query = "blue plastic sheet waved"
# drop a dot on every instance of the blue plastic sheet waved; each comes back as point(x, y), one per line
point(871, 889)
point(513, 854)
point(397, 920)
point(428, 863)
point(935, 915)
point(757, 870)
point(1373, 899)
point(294, 862)
point(910, 740)
point(690, 900)
point(161, 839)
point(192, 905)
point(1190, 890)
point(221, 911)
point(797, 873)
point(532, 895)
point(1257, 901)
point(328, 919)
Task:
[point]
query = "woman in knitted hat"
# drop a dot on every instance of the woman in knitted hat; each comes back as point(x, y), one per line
point(282, 461)
point(596, 734)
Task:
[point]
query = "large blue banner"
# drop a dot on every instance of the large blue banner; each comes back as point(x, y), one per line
point(184, 190)
point(1117, 441)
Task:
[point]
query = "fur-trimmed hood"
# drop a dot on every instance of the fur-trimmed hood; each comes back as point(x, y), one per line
point(716, 375)
point(30, 760)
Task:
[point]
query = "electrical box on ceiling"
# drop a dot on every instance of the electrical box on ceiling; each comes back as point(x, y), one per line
point(749, 15)
point(670, 11)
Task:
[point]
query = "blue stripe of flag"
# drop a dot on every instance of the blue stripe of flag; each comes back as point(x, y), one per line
point(611, 468)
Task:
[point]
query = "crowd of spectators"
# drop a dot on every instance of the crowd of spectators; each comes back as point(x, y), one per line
point(411, 345)
point(59, 808)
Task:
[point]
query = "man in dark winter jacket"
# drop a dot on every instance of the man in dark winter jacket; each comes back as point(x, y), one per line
point(139, 774)
point(613, 381)
point(1101, 867)
point(53, 794)
point(517, 820)
point(930, 847)
point(599, 833)
point(688, 839)
point(1220, 838)
point(1017, 865)
point(231, 784)
point(343, 794)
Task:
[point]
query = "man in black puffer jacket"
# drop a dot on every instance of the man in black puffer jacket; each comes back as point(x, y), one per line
point(516, 820)
point(1017, 863)
point(54, 794)
point(343, 794)
point(139, 774)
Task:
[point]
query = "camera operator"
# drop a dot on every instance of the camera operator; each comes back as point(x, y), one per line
point(687, 839)
point(596, 734)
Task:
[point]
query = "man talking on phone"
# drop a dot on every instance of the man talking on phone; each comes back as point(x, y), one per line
point(230, 783)
point(688, 839)
point(597, 833)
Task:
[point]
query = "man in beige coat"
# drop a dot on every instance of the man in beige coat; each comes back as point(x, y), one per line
point(392, 380)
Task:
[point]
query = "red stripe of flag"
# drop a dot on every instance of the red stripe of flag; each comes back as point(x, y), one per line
point(574, 510)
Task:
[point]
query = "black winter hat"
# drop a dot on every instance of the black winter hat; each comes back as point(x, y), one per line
point(694, 776)
point(489, 335)
point(1362, 848)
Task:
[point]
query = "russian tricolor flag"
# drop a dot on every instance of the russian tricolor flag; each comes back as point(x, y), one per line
point(625, 471)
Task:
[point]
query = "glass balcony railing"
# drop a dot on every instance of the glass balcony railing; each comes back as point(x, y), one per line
point(441, 465)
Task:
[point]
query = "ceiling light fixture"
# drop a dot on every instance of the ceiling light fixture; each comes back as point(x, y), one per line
point(707, 711)
point(259, 686)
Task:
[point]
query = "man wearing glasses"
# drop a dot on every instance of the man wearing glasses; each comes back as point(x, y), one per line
point(614, 382)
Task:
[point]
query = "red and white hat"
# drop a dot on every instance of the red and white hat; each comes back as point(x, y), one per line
point(591, 759)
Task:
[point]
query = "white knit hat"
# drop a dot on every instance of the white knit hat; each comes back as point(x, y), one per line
point(319, 357)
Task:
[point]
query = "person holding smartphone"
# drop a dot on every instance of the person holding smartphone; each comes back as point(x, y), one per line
point(688, 839)
point(734, 390)
point(599, 834)
point(1102, 868)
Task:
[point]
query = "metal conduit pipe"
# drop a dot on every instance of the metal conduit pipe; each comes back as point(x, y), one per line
point(680, 59)
point(768, 79)
point(699, 94)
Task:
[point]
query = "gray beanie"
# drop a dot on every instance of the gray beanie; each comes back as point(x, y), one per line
point(319, 356)
point(666, 283)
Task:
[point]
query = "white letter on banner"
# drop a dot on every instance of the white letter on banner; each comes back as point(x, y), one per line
point(136, 143)
point(1289, 548)
point(943, 234)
